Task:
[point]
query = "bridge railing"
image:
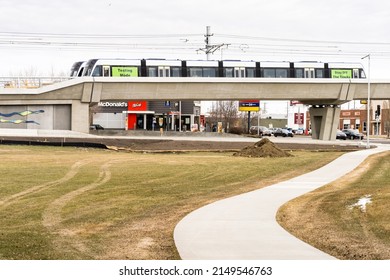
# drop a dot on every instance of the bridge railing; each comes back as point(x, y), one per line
point(30, 82)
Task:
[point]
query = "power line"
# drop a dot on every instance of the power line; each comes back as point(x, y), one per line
point(240, 45)
point(301, 40)
point(95, 36)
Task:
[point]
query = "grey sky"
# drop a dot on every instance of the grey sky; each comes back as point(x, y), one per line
point(335, 23)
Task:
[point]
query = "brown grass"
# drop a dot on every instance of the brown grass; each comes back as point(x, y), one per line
point(71, 203)
point(324, 218)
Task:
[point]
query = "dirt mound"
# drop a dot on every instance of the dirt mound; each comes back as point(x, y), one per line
point(263, 148)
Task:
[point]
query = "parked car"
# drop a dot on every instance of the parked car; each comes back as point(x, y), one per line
point(272, 130)
point(353, 134)
point(267, 132)
point(96, 127)
point(283, 132)
point(254, 130)
point(341, 135)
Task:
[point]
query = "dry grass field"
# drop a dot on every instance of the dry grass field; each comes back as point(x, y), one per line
point(349, 218)
point(78, 203)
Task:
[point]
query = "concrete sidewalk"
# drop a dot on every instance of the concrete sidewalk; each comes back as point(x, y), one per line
point(244, 227)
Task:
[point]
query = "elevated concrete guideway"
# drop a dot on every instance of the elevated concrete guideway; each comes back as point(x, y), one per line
point(323, 91)
point(317, 91)
point(81, 92)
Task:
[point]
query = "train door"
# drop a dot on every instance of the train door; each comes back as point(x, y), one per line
point(309, 73)
point(239, 72)
point(106, 71)
point(164, 71)
point(356, 73)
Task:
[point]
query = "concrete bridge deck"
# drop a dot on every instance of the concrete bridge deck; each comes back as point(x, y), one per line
point(91, 89)
point(80, 93)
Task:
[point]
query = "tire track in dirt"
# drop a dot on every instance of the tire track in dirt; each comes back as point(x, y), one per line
point(35, 189)
point(52, 218)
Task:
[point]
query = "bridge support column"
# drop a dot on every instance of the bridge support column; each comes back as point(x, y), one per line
point(80, 116)
point(324, 122)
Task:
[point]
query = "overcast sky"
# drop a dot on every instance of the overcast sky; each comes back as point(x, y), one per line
point(330, 30)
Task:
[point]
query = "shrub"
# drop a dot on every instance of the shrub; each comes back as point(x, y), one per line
point(236, 130)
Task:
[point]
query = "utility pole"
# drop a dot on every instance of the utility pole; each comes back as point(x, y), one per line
point(210, 49)
point(368, 100)
point(207, 41)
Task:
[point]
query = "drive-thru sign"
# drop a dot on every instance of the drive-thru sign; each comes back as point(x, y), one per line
point(249, 105)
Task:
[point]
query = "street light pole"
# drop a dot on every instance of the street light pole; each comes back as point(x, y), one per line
point(368, 99)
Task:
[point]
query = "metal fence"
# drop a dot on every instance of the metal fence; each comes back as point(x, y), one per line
point(30, 82)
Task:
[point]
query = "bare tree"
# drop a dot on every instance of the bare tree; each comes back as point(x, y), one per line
point(24, 78)
point(225, 112)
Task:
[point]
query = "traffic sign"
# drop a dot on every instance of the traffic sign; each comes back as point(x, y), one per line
point(298, 118)
point(249, 105)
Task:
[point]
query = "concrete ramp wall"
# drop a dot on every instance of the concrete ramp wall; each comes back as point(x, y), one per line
point(49, 117)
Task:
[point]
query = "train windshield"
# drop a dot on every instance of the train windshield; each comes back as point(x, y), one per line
point(97, 72)
point(75, 68)
point(88, 67)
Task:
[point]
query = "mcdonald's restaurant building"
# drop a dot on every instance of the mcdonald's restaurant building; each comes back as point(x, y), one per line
point(146, 115)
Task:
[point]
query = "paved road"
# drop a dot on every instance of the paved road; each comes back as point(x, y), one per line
point(200, 136)
point(244, 227)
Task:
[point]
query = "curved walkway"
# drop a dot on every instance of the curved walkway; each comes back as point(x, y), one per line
point(244, 227)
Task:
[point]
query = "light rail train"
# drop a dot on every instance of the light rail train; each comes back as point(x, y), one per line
point(223, 68)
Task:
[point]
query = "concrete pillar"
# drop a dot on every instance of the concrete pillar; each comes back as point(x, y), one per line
point(324, 122)
point(173, 122)
point(80, 116)
point(192, 122)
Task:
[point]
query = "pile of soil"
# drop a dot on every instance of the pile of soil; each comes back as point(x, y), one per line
point(263, 148)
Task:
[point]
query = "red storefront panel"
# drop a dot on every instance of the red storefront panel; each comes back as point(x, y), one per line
point(132, 117)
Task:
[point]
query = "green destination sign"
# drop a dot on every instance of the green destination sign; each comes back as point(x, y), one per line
point(342, 73)
point(124, 71)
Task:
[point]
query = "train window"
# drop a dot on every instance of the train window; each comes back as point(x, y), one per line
point(319, 73)
point(195, 72)
point(152, 71)
point(298, 73)
point(202, 72)
point(269, 73)
point(75, 68)
point(250, 72)
point(275, 73)
point(281, 73)
point(88, 67)
point(229, 72)
point(209, 72)
point(362, 74)
point(97, 72)
point(106, 71)
point(356, 73)
point(175, 71)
